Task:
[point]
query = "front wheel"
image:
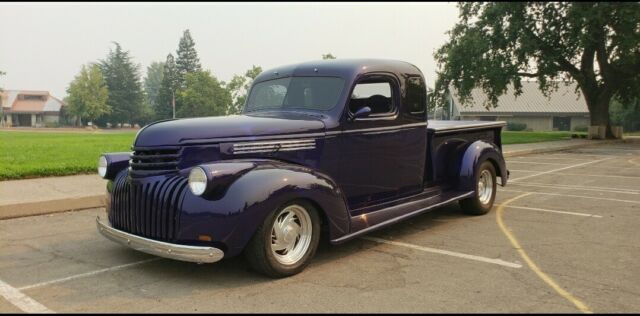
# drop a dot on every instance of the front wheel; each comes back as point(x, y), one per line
point(286, 241)
point(482, 200)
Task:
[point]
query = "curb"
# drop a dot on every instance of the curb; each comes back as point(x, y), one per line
point(508, 154)
point(52, 206)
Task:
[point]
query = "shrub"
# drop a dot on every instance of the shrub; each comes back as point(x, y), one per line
point(514, 126)
point(581, 128)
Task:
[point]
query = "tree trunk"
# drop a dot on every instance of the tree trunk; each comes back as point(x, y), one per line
point(599, 111)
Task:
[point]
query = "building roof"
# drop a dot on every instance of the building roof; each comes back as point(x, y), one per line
point(13, 103)
point(564, 100)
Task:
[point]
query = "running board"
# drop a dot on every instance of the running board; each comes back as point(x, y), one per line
point(366, 223)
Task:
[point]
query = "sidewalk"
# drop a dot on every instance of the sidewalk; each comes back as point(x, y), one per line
point(59, 194)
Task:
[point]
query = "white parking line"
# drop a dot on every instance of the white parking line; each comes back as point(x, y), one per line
point(571, 195)
point(21, 301)
point(82, 275)
point(577, 187)
point(582, 175)
point(444, 252)
point(535, 163)
point(550, 211)
point(552, 158)
point(559, 169)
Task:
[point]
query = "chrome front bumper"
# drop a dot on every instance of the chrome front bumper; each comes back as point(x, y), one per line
point(159, 248)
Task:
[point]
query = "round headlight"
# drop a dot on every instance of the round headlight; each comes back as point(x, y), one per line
point(102, 166)
point(197, 181)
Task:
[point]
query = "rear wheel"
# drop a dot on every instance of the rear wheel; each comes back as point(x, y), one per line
point(482, 200)
point(286, 241)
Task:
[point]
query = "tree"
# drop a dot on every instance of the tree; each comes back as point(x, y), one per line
point(202, 96)
point(494, 44)
point(238, 88)
point(153, 81)
point(328, 56)
point(187, 58)
point(626, 114)
point(88, 94)
point(163, 106)
point(123, 81)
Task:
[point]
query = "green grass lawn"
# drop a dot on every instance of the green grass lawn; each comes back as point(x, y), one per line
point(534, 137)
point(39, 154)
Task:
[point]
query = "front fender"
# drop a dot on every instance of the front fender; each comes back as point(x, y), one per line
point(233, 218)
point(475, 154)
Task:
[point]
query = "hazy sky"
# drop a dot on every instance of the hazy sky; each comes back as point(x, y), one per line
point(43, 46)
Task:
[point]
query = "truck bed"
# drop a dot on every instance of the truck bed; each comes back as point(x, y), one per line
point(445, 142)
point(440, 127)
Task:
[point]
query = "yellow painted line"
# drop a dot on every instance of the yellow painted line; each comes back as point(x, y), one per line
point(547, 279)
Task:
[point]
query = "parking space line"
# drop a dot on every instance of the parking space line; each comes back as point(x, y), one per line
point(20, 300)
point(580, 174)
point(559, 169)
point(571, 195)
point(577, 187)
point(552, 158)
point(82, 275)
point(550, 211)
point(444, 252)
point(535, 163)
point(547, 279)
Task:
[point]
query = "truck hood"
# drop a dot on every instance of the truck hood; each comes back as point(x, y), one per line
point(216, 129)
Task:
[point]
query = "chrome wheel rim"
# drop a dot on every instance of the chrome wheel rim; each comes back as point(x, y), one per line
point(485, 187)
point(291, 234)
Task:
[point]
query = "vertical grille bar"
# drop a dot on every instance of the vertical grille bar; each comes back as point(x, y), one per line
point(149, 209)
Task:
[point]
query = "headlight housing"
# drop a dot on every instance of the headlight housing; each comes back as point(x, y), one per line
point(198, 181)
point(102, 166)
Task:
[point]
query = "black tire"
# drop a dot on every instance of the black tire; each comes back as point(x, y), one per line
point(260, 255)
point(474, 205)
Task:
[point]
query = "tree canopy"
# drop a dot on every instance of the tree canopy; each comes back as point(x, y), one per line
point(203, 96)
point(88, 94)
point(187, 58)
point(163, 107)
point(496, 44)
point(153, 81)
point(238, 88)
point(328, 56)
point(123, 80)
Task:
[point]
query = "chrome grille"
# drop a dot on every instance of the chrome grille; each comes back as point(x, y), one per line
point(148, 209)
point(146, 161)
point(273, 146)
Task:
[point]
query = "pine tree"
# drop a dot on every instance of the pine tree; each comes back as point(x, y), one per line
point(187, 58)
point(163, 105)
point(125, 89)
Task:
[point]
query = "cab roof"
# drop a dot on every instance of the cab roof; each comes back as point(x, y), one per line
point(349, 69)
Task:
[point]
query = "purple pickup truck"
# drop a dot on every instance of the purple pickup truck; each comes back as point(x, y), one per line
point(334, 148)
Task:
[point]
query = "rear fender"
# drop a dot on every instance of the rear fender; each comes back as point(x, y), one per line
point(475, 154)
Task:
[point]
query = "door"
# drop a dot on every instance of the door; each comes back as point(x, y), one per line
point(379, 153)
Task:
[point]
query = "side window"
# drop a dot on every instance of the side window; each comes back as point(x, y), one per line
point(376, 94)
point(415, 101)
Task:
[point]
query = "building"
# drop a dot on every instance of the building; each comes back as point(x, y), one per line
point(30, 108)
point(562, 110)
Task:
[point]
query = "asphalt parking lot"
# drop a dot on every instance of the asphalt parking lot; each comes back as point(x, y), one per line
point(563, 237)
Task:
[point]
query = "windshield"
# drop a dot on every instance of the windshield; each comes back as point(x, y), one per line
point(312, 93)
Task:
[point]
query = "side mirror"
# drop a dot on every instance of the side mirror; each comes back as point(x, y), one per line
point(362, 112)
